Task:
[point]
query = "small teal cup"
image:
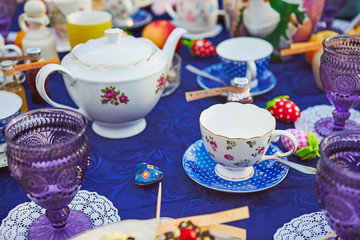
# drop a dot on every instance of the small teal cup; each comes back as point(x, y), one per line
point(10, 105)
point(245, 57)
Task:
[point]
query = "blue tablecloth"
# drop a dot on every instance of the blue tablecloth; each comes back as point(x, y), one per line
point(172, 126)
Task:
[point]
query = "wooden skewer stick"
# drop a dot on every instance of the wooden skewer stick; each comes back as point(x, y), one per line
point(21, 58)
point(194, 95)
point(305, 45)
point(328, 235)
point(158, 208)
point(239, 233)
point(300, 49)
point(28, 66)
point(207, 219)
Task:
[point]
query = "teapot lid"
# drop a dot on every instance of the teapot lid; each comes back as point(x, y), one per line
point(115, 49)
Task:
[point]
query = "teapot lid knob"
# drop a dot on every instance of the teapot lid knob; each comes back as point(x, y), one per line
point(113, 34)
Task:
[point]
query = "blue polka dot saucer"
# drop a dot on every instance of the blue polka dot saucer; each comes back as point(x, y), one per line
point(199, 166)
point(265, 84)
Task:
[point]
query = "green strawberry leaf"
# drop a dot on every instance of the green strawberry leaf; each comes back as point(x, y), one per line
point(312, 150)
point(189, 43)
point(272, 102)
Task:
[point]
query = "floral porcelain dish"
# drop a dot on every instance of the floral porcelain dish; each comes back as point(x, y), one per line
point(114, 80)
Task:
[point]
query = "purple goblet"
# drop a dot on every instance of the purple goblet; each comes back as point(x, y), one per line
point(48, 155)
point(340, 78)
point(331, 8)
point(337, 182)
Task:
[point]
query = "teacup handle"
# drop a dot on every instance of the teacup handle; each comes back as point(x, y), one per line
point(275, 137)
point(251, 74)
point(131, 6)
point(11, 47)
point(251, 70)
point(41, 77)
point(170, 10)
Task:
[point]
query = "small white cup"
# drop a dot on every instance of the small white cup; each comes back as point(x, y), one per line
point(121, 11)
point(245, 57)
point(10, 105)
point(237, 136)
point(195, 15)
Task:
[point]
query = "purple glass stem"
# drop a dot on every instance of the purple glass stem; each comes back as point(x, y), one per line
point(340, 119)
point(58, 217)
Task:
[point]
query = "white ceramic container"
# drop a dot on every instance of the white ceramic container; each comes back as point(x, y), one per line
point(195, 15)
point(114, 80)
point(237, 136)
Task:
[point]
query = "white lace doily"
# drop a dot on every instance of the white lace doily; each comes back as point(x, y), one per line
point(98, 208)
point(311, 226)
point(311, 115)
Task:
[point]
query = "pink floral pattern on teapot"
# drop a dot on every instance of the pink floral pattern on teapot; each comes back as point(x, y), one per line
point(160, 83)
point(111, 96)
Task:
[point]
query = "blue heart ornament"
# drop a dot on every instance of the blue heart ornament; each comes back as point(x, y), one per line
point(147, 174)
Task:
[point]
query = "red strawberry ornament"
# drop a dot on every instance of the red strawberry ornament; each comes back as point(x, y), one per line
point(308, 143)
point(200, 47)
point(283, 109)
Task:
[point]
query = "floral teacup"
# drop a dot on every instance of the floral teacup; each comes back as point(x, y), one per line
point(236, 136)
point(195, 15)
point(121, 10)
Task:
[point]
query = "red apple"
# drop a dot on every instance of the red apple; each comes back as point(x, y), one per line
point(158, 32)
point(303, 31)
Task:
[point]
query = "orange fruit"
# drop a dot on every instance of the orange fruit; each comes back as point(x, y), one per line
point(318, 37)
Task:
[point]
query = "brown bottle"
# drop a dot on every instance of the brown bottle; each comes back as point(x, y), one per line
point(12, 84)
point(31, 78)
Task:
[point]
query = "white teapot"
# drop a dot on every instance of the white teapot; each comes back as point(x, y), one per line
point(115, 80)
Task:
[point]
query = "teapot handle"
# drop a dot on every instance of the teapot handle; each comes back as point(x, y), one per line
point(42, 76)
point(170, 10)
point(21, 22)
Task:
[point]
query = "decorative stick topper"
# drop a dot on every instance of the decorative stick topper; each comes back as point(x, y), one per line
point(28, 66)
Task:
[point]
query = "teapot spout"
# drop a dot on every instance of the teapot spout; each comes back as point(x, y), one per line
point(170, 44)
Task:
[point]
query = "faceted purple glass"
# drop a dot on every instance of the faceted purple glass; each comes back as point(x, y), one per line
point(340, 78)
point(331, 8)
point(48, 155)
point(337, 182)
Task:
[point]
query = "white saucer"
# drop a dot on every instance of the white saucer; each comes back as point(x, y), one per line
point(199, 166)
point(207, 34)
point(266, 84)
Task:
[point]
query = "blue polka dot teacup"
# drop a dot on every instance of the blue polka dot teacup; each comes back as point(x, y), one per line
point(245, 57)
point(10, 105)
